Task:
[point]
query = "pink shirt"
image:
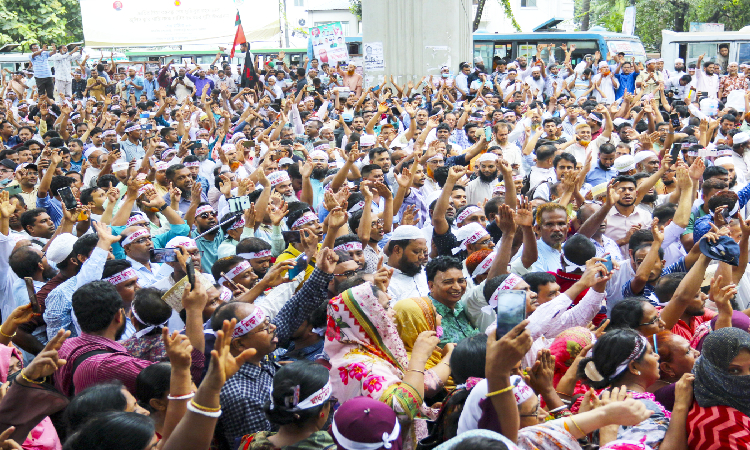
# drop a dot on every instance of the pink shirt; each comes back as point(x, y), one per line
point(353, 82)
point(618, 225)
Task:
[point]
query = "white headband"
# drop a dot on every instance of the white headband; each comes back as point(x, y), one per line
point(238, 224)
point(349, 246)
point(133, 128)
point(108, 132)
point(225, 294)
point(507, 284)
point(149, 328)
point(470, 240)
point(353, 445)
point(322, 147)
point(192, 164)
point(467, 212)
point(248, 323)
point(484, 266)
point(357, 206)
point(203, 209)
point(121, 277)
point(278, 177)
point(315, 399)
point(145, 188)
point(305, 219)
point(593, 117)
point(236, 270)
point(571, 266)
point(134, 236)
point(136, 218)
point(255, 255)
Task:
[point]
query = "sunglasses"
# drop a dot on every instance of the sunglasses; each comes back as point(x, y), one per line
point(206, 215)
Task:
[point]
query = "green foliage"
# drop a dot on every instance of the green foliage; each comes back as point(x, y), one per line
point(355, 7)
point(29, 21)
point(509, 14)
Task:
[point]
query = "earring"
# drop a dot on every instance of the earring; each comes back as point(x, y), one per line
point(637, 372)
point(322, 415)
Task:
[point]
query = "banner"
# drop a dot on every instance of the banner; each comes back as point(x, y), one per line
point(628, 21)
point(153, 23)
point(328, 43)
point(374, 59)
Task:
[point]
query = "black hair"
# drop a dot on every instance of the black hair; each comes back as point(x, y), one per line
point(664, 212)
point(345, 239)
point(152, 382)
point(151, 309)
point(607, 148)
point(667, 286)
point(536, 279)
point(611, 349)
point(172, 169)
point(627, 313)
point(28, 219)
point(226, 222)
point(224, 265)
point(492, 206)
point(545, 152)
point(308, 377)
point(93, 400)
point(24, 261)
point(95, 305)
point(563, 156)
point(470, 357)
point(252, 245)
point(368, 168)
point(105, 181)
point(87, 195)
point(579, 249)
point(296, 210)
point(481, 442)
point(354, 219)
point(714, 171)
point(354, 198)
point(131, 431)
point(441, 264)
point(625, 179)
point(376, 151)
point(441, 175)
point(648, 244)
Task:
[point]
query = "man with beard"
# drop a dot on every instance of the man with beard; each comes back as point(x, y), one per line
point(410, 183)
point(480, 189)
point(646, 161)
point(727, 163)
point(281, 183)
point(726, 125)
point(313, 175)
point(625, 217)
point(650, 199)
point(180, 177)
point(131, 142)
point(208, 244)
point(694, 313)
point(96, 356)
point(511, 152)
point(352, 79)
point(357, 126)
point(407, 254)
point(603, 171)
point(707, 79)
point(733, 81)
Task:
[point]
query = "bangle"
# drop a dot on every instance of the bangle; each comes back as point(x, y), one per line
point(415, 370)
point(574, 423)
point(8, 336)
point(204, 408)
point(501, 391)
point(25, 378)
point(182, 397)
point(563, 393)
point(214, 414)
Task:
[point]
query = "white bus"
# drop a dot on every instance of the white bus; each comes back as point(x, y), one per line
point(690, 46)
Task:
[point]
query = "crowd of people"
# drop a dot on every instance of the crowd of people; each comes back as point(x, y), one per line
point(284, 257)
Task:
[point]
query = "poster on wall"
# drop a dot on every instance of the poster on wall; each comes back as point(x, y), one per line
point(328, 43)
point(374, 59)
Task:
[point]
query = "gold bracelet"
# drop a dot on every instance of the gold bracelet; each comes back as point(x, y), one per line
point(3, 334)
point(415, 370)
point(501, 391)
point(25, 378)
point(204, 408)
point(579, 428)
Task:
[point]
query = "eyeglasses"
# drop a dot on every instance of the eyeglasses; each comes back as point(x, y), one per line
point(379, 222)
point(348, 273)
point(652, 321)
point(206, 215)
point(266, 326)
point(142, 240)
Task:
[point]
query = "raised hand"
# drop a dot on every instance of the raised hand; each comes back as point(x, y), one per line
point(337, 218)
point(524, 215)
point(6, 207)
point(178, 348)
point(47, 361)
point(223, 365)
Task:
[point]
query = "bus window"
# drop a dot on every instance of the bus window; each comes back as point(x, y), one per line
point(696, 49)
point(483, 50)
point(583, 48)
point(632, 49)
point(503, 50)
point(743, 54)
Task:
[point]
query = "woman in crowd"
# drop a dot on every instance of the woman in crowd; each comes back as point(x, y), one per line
point(638, 314)
point(720, 418)
point(368, 358)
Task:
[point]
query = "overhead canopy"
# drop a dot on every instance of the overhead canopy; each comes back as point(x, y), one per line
point(548, 24)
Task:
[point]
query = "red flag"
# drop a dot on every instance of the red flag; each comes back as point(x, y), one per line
point(239, 37)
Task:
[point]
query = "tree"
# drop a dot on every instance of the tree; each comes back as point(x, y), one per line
point(355, 7)
point(508, 13)
point(29, 21)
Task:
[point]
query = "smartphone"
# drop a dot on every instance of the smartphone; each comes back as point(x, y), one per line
point(248, 144)
point(291, 237)
point(32, 295)
point(194, 145)
point(301, 265)
point(115, 146)
point(162, 255)
point(675, 151)
point(675, 118)
point(67, 197)
point(376, 87)
point(608, 262)
point(488, 134)
point(231, 283)
point(310, 88)
point(511, 310)
point(190, 271)
point(13, 190)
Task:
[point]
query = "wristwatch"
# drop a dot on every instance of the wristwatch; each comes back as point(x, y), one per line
point(163, 207)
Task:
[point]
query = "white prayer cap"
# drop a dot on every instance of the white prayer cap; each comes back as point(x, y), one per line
point(624, 163)
point(643, 155)
point(603, 64)
point(617, 122)
point(741, 138)
point(319, 154)
point(366, 140)
point(487, 157)
point(679, 61)
point(60, 248)
point(536, 69)
point(724, 160)
point(404, 232)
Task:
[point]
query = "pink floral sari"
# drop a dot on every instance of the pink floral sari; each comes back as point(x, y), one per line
point(368, 358)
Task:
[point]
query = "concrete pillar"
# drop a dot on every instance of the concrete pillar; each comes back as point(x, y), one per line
point(418, 36)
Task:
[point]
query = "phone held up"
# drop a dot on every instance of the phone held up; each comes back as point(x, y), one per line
point(511, 310)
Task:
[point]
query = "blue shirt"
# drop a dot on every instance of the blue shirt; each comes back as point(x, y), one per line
point(137, 81)
point(131, 151)
point(209, 249)
point(317, 189)
point(41, 66)
point(149, 87)
point(648, 290)
point(597, 175)
point(53, 207)
point(627, 83)
point(702, 225)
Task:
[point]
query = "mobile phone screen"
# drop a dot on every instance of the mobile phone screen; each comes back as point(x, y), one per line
point(511, 310)
point(675, 152)
point(675, 118)
point(301, 265)
point(162, 255)
point(67, 197)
